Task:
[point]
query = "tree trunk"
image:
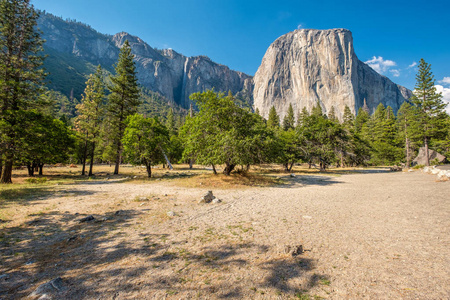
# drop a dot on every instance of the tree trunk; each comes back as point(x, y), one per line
point(427, 161)
point(91, 164)
point(1, 165)
point(41, 166)
point(30, 168)
point(286, 167)
point(290, 167)
point(190, 163)
point(408, 153)
point(118, 158)
point(149, 169)
point(248, 167)
point(228, 169)
point(214, 169)
point(7, 171)
point(83, 170)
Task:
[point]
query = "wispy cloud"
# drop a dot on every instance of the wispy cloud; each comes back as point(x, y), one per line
point(382, 65)
point(446, 80)
point(299, 26)
point(395, 72)
point(445, 95)
point(412, 65)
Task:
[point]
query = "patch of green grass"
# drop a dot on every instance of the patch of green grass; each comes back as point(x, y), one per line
point(37, 180)
point(324, 281)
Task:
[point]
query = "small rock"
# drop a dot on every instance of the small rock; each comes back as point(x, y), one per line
point(410, 170)
point(207, 198)
point(293, 250)
point(171, 214)
point(119, 212)
point(72, 238)
point(87, 219)
point(292, 175)
point(143, 199)
point(307, 217)
point(443, 175)
point(215, 201)
point(52, 286)
point(134, 177)
point(4, 277)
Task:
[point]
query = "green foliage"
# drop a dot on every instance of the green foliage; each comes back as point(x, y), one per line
point(274, 120)
point(21, 76)
point(144, 140)
point(45, 140)
point(430, 107)
point(289, 119)
point(91, 111)
point(332, 115)
point(223, 133)
point(123, 100)
point(348, 119)
point(323, 138)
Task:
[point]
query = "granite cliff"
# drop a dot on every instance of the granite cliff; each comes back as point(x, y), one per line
point(172, 75)
point(308, 66)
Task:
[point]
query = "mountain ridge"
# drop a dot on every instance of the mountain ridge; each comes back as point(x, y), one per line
point(167, 72)
point(309, 66)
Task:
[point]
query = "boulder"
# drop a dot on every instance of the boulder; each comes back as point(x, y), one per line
point(434, 157)
point(51, 287)
point(207, 198)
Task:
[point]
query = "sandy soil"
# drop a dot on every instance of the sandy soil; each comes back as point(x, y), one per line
point(373, 235)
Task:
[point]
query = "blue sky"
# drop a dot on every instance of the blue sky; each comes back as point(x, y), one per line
point(391, 35)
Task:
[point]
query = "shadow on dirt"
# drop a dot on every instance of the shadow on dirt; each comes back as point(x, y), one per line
point(96, 259)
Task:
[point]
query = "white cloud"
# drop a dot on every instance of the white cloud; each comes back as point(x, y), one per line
point(412, 65)
point(299, 26)
point(395, 72)
point(445, 95)
point(381, 65)
point(446, 80)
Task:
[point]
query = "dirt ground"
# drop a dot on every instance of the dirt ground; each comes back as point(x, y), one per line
point(369, 234)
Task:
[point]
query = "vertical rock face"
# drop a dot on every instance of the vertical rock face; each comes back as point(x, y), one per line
point(305, 67)
point(167, 72)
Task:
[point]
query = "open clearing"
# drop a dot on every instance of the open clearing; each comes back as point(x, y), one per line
point(366, 234)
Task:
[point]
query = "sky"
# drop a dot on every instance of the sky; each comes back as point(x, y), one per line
point(391, 36)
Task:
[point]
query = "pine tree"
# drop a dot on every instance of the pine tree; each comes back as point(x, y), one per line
point(332, 115)
point(348, 118)
point(406, 124)
point(274, 119)
point(123, 100)
point(90, 114)
point(289, 119)
point(361, 118)
point(317, 110)
point(302, 116)
point(430, 106)
point(20, 76)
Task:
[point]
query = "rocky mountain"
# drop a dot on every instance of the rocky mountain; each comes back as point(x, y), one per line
point(172, 75)
point(308, 66)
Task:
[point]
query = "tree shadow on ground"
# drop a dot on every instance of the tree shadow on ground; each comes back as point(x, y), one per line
point(97, 259)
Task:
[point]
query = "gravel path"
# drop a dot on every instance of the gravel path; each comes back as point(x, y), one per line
point(365, 236)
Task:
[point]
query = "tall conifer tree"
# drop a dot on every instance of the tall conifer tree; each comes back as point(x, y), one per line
point(90, 113)
point(289, 119)
point(430, 106)
point(20, 76)
point(123, 100)
point(274, 120)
